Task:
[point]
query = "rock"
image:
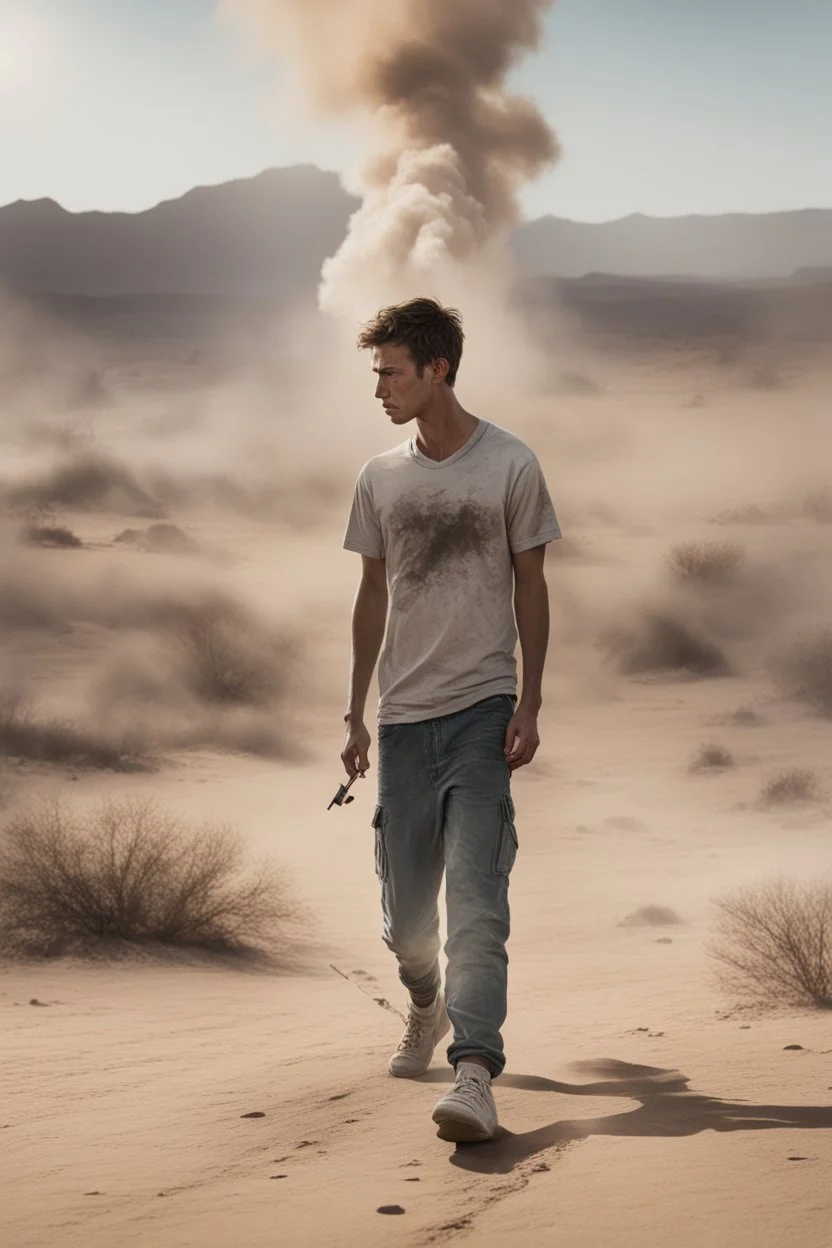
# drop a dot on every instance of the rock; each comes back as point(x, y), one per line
point(389, 1209)
point(792, 1047)
point(257, 1113)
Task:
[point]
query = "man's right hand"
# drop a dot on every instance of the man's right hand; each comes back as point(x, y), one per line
point(355, 754)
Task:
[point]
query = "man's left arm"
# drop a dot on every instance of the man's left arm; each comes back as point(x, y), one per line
point(531, 607)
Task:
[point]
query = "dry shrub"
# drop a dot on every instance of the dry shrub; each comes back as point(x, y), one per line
point(226, 659)
point(160, 539)
point(817, 506)
point(61, 742)
point(766, 377)
point(662, 643)
point(713, 758)
point(746, 513)
point(576, 383)
point(88, 482)
point(743, 717)
point(131, 872)
point(50, 535)
point(795, 785)
point(706, 563)
point(205, 673)
point(803, 669)
point(186, 667)
point(773, 943)
point(651, 916)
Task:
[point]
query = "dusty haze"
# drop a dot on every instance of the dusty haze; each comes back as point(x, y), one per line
point(204, 663)
point(174, 623)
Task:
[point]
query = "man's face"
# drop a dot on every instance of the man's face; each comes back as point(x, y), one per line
point(403, 392)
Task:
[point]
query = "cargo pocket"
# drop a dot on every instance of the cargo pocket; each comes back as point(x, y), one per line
point(507, 838)
point(381, 844)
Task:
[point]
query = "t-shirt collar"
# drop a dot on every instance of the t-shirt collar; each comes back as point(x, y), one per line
point(426, 462)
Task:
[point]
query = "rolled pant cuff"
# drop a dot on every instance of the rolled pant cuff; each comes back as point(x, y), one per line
point(496, 1061)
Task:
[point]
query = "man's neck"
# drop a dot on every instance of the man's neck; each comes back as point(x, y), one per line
point(444, 428)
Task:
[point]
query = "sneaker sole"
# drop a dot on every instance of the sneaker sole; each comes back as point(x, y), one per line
point(416, 1074)
point(457, 1129)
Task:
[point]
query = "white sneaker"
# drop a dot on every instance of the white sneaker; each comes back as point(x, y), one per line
point(425, 1028)
point(467, 1114)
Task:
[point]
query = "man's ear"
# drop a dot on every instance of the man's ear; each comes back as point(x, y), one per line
point(441, 368)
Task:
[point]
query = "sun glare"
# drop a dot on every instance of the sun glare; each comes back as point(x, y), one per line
point(22, 57)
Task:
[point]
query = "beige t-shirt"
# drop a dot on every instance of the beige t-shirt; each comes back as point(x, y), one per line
point(447, 532)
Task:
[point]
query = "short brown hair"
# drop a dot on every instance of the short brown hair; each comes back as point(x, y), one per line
point(429, 331)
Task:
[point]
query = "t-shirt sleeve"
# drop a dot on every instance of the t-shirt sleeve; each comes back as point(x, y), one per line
point(363, 533)
point(530, 515)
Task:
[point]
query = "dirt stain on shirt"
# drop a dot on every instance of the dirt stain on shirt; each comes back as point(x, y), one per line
point(437, 535)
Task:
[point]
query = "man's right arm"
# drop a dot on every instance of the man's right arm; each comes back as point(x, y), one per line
point(369, 620)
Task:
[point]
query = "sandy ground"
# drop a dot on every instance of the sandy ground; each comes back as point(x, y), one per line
point(640, 1106)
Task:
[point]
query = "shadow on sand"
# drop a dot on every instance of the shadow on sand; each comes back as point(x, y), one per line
point(667, 1108)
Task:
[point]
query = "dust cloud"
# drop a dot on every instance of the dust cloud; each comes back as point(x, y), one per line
point(451, 144)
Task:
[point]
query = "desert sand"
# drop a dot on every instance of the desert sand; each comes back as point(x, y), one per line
point(172, 1102)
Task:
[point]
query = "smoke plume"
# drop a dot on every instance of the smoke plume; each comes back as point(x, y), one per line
point(451, 145)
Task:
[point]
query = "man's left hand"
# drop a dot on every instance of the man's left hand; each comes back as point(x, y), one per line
point(521, 739)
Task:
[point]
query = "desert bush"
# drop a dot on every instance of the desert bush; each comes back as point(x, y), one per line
point(773, 943)
point(662, 643)
point(226, 659)
point(651, 916)
point(713, 758)
point(50, 535)
point(131, 872)
point(56, 741)
point(743, 717)
point(159, 539)
point(766, 377)
point(706, 563)
point(577, 383)
point(746, 513)
point(795, 785)
point(803, 669)
point(817, 506)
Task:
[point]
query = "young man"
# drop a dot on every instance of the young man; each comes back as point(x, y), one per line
point(452, 527)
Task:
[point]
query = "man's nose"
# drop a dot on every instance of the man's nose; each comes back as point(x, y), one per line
point(381, 389)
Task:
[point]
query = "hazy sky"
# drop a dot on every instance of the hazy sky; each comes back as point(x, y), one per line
point(662, 106)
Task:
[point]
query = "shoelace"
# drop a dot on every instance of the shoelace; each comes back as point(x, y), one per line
point(413, 1032)
point(473, 1089)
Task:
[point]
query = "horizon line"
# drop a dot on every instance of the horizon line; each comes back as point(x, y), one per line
point(308, 165)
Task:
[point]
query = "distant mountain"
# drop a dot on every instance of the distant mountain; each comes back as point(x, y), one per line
point(268, 236)
point(734, 247)
point(257, 236)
